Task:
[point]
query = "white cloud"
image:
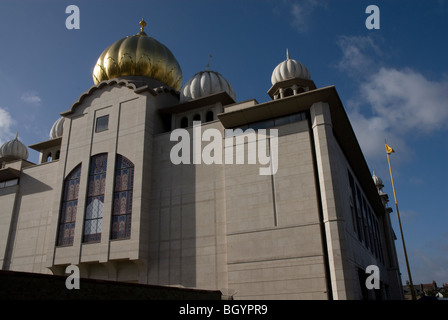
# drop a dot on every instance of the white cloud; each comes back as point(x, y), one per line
point(400, 103)
point(357, 58)
point(301, 12)
point(5, 124)
point(31, 97)
point(406, 100)
point(389, 103)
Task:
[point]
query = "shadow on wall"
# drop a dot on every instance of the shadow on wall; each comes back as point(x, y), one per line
point(172, 222)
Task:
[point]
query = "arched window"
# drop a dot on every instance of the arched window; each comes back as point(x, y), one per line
point(122, 206)
point(48, 159)
point(197, 117)
point(184, 122)
point(288, 92)
point(69, 207)
point(95, 198)
point(58, 153)
point(209, 116)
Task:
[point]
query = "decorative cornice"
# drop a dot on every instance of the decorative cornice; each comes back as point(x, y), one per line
point(137, 84)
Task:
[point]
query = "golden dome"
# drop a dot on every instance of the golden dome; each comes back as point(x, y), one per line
point(138, 55)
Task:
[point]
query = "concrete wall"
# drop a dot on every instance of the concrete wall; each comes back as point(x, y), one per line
point(273, 229)
point(32, 286)
point(220, 226)
point(131, 126)
point(30, 233)
point(8, 198)
point(187, 220)
point(226, 226)
point(350, 253)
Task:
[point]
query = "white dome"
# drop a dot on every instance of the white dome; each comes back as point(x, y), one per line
point(14, 149)
point(289, 69)
point(57, 128)
point(205, 83)
point(378, 182)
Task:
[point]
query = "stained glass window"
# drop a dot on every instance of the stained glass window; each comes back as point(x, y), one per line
point(95, 198)
point(122, 206)
point(69, 207)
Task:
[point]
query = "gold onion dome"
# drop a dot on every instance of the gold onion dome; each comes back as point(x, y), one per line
point(138, 55)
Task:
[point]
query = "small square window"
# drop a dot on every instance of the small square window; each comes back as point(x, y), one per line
point(102, 123)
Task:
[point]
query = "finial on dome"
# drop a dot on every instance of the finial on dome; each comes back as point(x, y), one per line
point(207, 67)
point(14, 149)
point(142, 24)
point(377, 180)
point(138, 55)
point(289, 69)
point(205, 83)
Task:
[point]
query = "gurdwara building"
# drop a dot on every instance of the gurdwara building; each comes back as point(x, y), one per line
point(144, 180)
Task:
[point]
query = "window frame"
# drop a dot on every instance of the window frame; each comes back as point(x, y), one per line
point(93, 216)
point(99, 126)
point(121, 218)
point(62, 239)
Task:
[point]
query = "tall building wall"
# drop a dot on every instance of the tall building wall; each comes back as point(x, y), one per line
point(363, 228)
point(29, 233)
point(186, 220)
point(273, 228)
point(227, 226)
point(300, 233)
point(129, 134)
point(8, 221)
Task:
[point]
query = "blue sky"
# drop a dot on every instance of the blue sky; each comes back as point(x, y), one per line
point(393, 81)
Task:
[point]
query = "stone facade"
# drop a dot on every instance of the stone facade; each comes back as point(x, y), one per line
point(306, 232)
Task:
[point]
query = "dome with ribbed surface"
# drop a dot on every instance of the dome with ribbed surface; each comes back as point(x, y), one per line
point(57, 129)
point(377, 181)
point(289, 69)
point(205, 83)
point(138, 55)
point(14, 149)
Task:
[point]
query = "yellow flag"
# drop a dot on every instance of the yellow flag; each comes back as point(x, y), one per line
point(389, 149)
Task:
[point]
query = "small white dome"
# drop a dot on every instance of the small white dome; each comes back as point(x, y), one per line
point(14, 149)
point(289, 69)
point(205, 83)
point(378, 182)
point(57, 128)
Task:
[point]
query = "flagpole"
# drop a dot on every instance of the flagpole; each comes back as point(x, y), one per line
point(411, 285)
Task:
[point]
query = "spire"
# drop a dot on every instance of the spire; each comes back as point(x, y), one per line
point(378, 182)
point(207, 67)
point(287, 54)
point(142, 24)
